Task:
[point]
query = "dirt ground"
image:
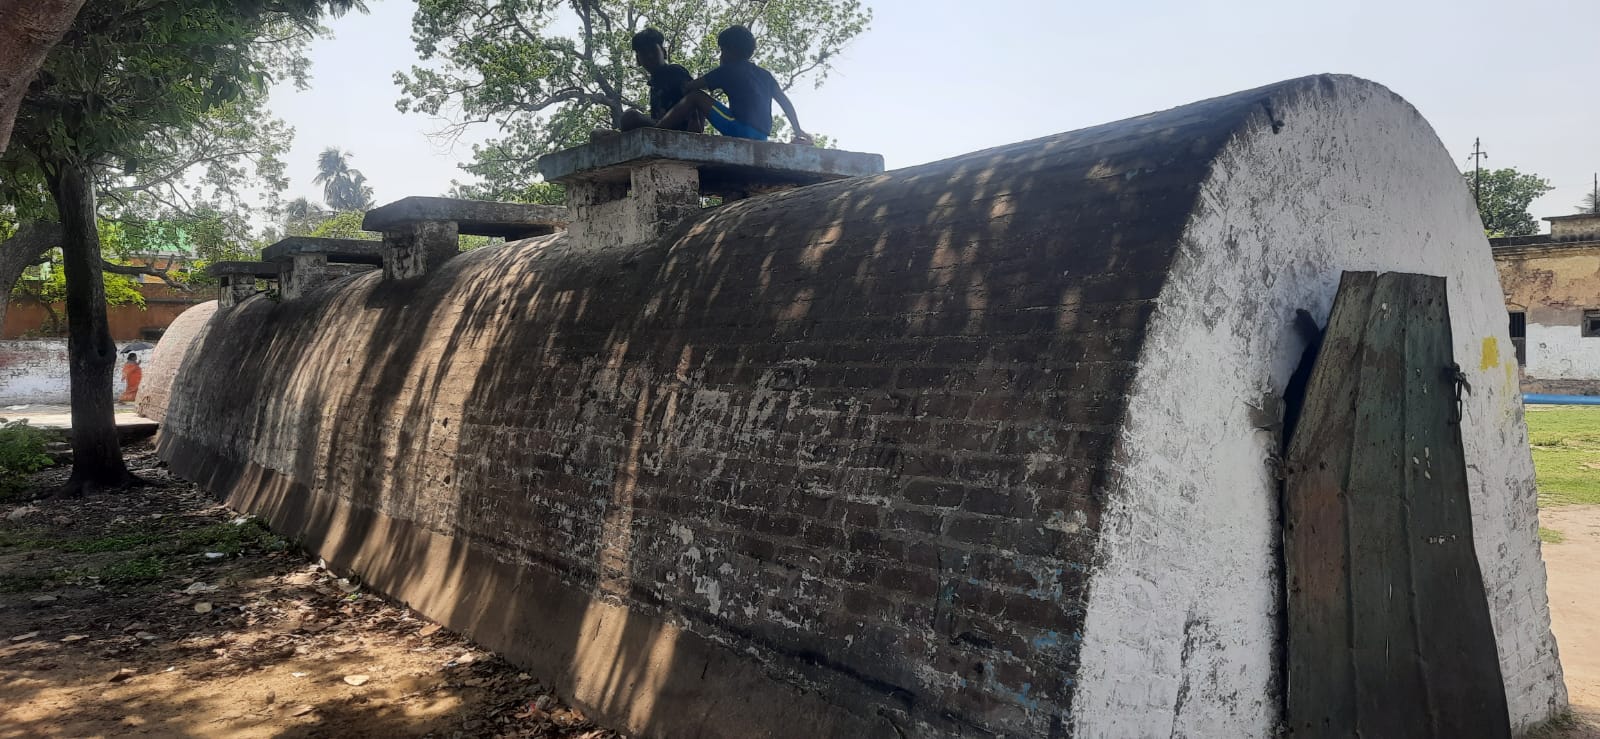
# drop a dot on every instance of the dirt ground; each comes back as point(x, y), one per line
point(1572, 566)
point(161, 613)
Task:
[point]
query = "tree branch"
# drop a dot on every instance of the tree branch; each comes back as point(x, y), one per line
point(143, 269)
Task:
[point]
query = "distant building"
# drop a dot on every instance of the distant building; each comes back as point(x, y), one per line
point(27, 317)
point(1552, 288)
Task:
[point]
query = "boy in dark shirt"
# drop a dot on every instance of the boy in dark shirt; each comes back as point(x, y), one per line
point(666, 84)
point(750, 90)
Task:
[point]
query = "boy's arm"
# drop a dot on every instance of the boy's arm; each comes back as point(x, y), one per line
point(711, 80)
point(800, 136)
point(696, 84)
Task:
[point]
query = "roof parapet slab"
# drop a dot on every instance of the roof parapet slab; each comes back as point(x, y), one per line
point(724, 162)
point(263, 270)
point(344, 251)
point(510, 221)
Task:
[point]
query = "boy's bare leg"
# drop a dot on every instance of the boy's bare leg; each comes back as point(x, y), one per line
point(632, 119)
point(696, 103)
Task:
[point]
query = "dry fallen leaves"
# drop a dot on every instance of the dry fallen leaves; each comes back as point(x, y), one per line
point(122, 674)
point(357, 680)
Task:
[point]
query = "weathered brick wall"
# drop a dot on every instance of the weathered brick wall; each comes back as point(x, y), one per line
point(1553, 286)
point(857, 427)
point(35, 371)
point(839, 461)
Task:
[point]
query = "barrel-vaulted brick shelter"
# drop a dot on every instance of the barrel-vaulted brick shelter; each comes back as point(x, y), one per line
point(979, 446)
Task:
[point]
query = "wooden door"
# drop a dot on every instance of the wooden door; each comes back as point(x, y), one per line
point(1388, 626)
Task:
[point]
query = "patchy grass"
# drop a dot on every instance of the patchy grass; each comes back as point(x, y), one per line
point(230, 538)
point(134, 571)
point(138, 558)
point(1551, 536)
point(1566, 453)
point(108, 543)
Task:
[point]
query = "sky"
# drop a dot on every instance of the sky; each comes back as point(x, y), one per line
point(937, 78)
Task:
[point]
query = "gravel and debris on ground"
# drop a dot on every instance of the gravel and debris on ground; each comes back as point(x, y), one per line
point(160, 612)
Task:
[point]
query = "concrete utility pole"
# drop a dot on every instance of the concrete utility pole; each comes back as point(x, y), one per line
point(1478, 155)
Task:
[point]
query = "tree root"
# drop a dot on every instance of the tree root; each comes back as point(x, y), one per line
point(77, 487)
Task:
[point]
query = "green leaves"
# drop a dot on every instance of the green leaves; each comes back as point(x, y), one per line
point(1503, 199)
point(346, 225)
point(139, 88)
point(51, 288)
point(166, 104)
point(22, 452)
point(548, 72)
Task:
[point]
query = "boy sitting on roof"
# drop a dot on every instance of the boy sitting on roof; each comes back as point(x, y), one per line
point(667, 83)
point(750, 90)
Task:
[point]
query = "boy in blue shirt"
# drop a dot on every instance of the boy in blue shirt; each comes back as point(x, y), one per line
point(750, 90)
point(667, 82)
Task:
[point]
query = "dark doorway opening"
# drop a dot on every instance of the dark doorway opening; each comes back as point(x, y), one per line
point(1519, 335)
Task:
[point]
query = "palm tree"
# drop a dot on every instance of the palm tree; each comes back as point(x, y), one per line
point(343, 186)
point(301, 215)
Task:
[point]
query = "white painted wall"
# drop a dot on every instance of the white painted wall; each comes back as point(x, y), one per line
point(1182, 615)
point(34, 372)
point(1562, 353)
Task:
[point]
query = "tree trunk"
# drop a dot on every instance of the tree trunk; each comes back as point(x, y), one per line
point(96, 454)
point(31, 241)
point(28, 28)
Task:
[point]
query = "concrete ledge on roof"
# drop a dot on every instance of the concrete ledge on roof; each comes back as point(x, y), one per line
point(420, 234)
point(510, 221)
point(727, 166)
point(256, 270)
point(304, 260)
point(346, 251)
point(632, 187)
point(236, 281)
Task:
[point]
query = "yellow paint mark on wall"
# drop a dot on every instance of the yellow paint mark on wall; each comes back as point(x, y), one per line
point(1491, 353)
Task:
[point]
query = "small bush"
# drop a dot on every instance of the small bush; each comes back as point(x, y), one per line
point(22, 453)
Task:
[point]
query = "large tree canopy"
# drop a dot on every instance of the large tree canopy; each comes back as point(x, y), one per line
point(547, 72)
point(129, 79)
point(1503, 199)
point(199, 179)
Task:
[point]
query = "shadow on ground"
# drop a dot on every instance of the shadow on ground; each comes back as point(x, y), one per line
point(114, 620)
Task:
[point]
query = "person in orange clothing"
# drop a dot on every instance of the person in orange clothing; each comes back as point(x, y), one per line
point(131, 374)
